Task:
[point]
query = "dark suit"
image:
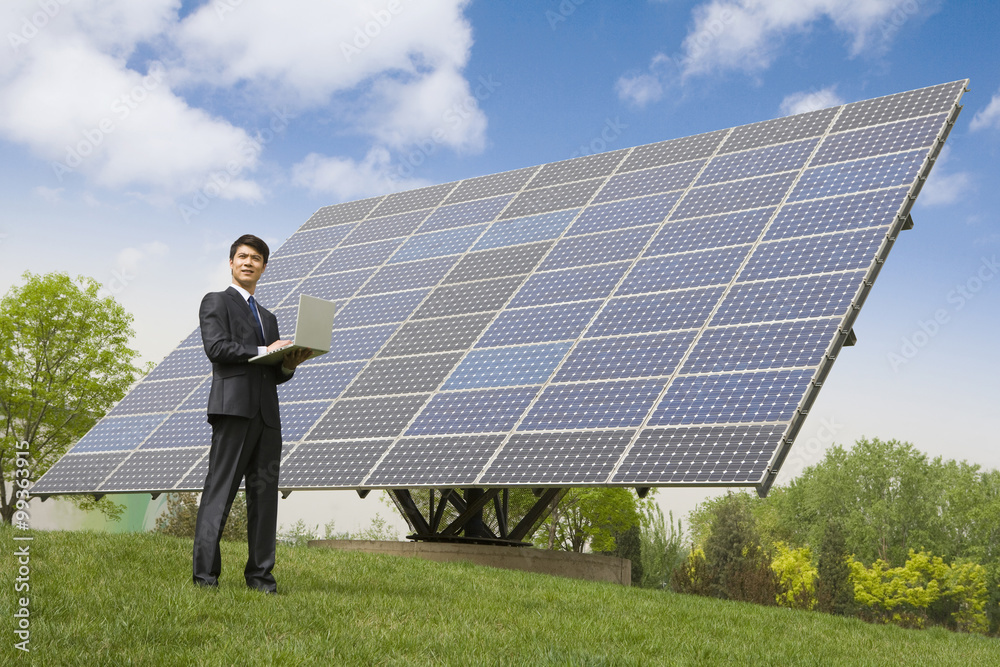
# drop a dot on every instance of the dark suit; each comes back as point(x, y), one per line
point(246, 437)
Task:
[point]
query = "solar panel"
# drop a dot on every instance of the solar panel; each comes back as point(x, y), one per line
point(658, 315)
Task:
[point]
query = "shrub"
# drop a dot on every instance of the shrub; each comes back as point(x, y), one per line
point(662, 550)
point(739, 567)
point(692, 576)
point(182, 514)
point(834, 590)
point(796, 575)
point(923, 589)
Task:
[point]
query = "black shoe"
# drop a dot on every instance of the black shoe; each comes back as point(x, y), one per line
point(261, 589)
point(206, 584)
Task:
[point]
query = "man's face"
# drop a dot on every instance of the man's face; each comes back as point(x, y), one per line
point(247, 266)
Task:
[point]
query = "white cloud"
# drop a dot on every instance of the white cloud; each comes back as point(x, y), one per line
point(130, 259)
point(129, 265)
point(748, 35)
point(943, 187)
point(72, 95)
point(639, 89)
point(348, 179)
point(804, 101)
point(306, 53)
point(988, 117)
point(51, 195)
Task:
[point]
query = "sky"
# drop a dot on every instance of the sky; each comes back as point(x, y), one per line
point(140, 139)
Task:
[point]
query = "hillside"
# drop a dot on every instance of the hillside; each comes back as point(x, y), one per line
point(99, 598)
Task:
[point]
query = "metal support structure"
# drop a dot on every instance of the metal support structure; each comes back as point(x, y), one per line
point(469, 525)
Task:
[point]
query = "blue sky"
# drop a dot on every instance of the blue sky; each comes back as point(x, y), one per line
point(139, 139)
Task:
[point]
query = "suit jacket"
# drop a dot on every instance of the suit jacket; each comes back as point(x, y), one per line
point(228, 332)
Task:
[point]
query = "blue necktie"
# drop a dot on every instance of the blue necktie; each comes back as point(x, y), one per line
point(256, 318)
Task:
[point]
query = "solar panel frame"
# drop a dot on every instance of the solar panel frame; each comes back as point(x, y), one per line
point(553, 201)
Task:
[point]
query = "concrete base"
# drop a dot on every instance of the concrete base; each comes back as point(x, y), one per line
point(560, 563)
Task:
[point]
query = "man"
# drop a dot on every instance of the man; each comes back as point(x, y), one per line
point(243, 412)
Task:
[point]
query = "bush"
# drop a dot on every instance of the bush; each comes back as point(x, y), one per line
point(739, 567)
point(796, 575)
point(834, 590)
point(662, 550)
point(182, 515)
point(924, 589)
point(693, 576)
point(628, 545)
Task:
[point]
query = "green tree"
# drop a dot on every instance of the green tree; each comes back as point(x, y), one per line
point(887, 494)
point(739, 565)
point(662, 548)
point(834, 590)
point(181, 516)
point(628, 545)
point(589, 517)
point(795, 571)
point(65, 361)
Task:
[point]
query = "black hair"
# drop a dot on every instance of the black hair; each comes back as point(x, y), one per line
point(254, 242)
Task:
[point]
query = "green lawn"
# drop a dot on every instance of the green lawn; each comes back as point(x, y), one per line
point(126, 599)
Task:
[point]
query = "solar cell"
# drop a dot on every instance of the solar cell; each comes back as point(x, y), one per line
point(539, 324)
point(473, 411)
point(576, 284)
point(152, 469)
point(118, 433)
point(181, 429)
point(436, 460)
point(320, 464)
point(341, 213)
point(498, 367)
point(525, 230)
point(650, 181)
point(461, 215)
point(389, 227)
point(399, 277)
point(570, 195)
point(655, 315)
point(311, 240)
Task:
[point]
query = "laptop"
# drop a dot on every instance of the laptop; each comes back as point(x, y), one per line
point(313, 330)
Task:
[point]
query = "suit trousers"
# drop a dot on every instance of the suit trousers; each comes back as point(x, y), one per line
point(240, 447)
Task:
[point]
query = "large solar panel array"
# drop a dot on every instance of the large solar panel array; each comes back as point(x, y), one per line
point(657, 315)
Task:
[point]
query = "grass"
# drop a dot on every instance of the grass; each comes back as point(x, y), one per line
point(126, 599)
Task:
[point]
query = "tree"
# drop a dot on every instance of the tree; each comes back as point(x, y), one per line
point(795, 571)
point(834, 590)
point(740, 567)
point(662, 547)
point(65, 361)
point(589, 517)
point(628, 545)
point(181, 517)
point(889, 497)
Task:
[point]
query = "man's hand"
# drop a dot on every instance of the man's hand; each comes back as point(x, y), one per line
point(278, 343)
point(296, 357)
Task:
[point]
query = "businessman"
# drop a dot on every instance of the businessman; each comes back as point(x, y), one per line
point(243, 412)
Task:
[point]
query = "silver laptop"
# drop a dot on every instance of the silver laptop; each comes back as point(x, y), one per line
point(313, 330)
